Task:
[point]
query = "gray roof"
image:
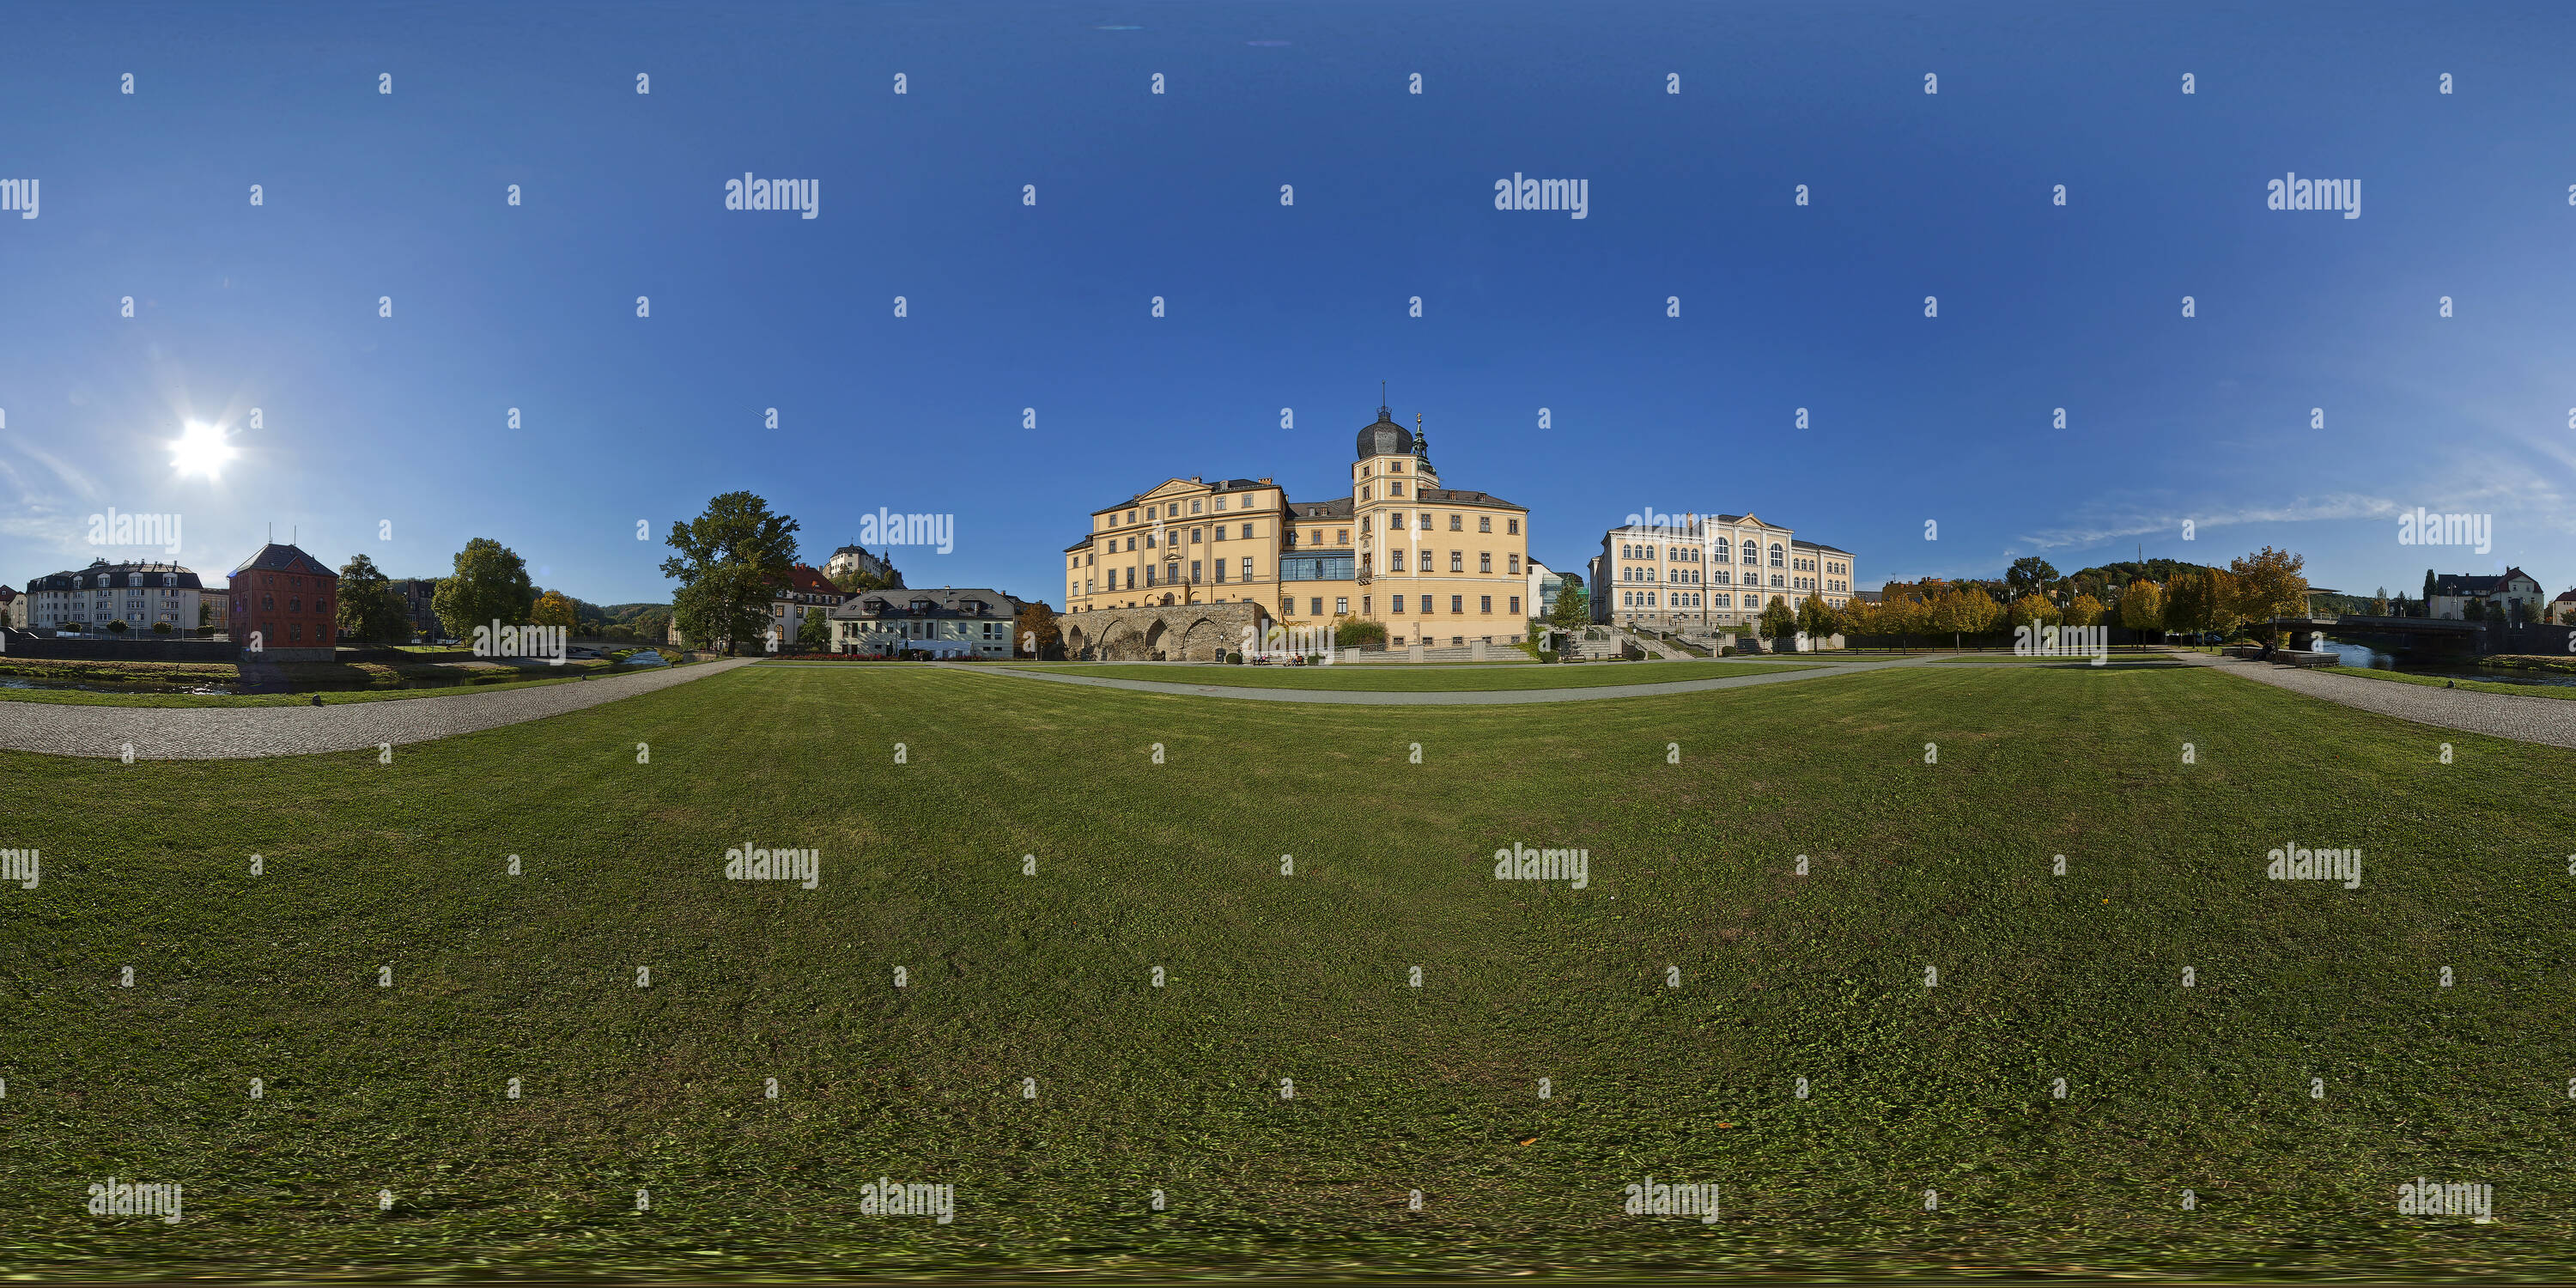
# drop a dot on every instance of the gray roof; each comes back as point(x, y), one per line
point(276, 558)
point(88, 577)
point(943, 602)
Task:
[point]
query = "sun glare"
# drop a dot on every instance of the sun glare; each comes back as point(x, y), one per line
point(200, 449)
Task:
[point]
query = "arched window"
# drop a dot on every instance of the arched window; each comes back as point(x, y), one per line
point(1775, 555)
point(1752, 553)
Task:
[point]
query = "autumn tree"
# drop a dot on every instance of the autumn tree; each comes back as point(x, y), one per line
point(2031, 610)
point(2270, 585)
point(2142, 606)
point(554, 608)
point(2083, 610)
point(1034, 631)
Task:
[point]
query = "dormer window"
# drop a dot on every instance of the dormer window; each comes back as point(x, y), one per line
point(134, 579)
point(169, 579)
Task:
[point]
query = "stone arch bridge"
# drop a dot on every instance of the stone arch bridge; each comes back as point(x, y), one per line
point(1162, 633)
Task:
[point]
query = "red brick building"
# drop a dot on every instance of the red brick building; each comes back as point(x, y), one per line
point(283, 598)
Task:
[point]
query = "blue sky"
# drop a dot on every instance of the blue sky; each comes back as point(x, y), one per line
point(369, 421)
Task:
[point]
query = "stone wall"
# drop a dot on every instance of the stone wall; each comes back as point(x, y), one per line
point(1174, 633)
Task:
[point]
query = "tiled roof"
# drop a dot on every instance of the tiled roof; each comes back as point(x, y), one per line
point(276, 558)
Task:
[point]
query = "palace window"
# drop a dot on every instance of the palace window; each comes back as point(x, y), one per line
point(1515, 565)
point(1457, 523)
point(1485, 603)
point(1484, 523)
point(1395, 489)
point(1399, 606)
point(1457, 561)
point(1485, 562)
point(1457, 603)
point(1194, 506)
point(1516, 603)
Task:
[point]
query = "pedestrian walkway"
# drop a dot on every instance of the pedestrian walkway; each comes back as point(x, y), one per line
point(235, 733)
point(2550, 721)
point(1446, 697)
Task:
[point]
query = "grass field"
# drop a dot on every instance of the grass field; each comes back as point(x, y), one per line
point(1435, 1088)
point(2445, 681)
point(1425, 679)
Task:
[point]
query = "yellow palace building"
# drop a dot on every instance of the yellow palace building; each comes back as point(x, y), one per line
point(1432, 564)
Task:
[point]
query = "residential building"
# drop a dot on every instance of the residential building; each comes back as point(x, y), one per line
point(282, 606)
point(2511, 594)
point(141, 595)
point(1705, 573)
point(1545, 584)
point(856, 559)
point(1438, 565)
point(214, 612)
point(2563, 608)
point(949, 621)
point(416, 594)
point(804, 592)
point(13, 608)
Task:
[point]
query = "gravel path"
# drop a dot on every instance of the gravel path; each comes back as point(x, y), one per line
point(1457, 698)
point(2551, 721)
point(237, 733)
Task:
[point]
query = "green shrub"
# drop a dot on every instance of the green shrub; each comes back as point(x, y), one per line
point(1234, 659)
point(1726, 650)
point(1354, 632)
point(1547, 655)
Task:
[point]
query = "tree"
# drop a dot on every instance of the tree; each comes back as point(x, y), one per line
point(730, 561)
point(2379, 603)
point(1035, 630)
point(489, 583)
point(2032, 610)
point(554, 608)
point(1352, 632)
point(1572, 608)
point(815, 632)
point(1778, 618)
point(2142, 606)
point(2083, 610)
point(117, 625)
point(859, 579)
point(1814, 617)
point(2029, 574)
point(369, 611)
point(2269, 585)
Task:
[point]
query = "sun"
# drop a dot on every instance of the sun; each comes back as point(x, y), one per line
point(200, 449)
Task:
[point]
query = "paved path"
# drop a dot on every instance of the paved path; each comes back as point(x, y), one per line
point(2551, 721)
point(235, 733)
point(1445, 698)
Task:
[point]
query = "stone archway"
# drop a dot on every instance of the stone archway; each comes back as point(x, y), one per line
point(1075, 641)
point(1204, 641)
point(1197, 632)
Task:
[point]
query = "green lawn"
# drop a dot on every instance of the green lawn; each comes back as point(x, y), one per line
point(2443, 681)
point(1306, 977)
point(1405, 678)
